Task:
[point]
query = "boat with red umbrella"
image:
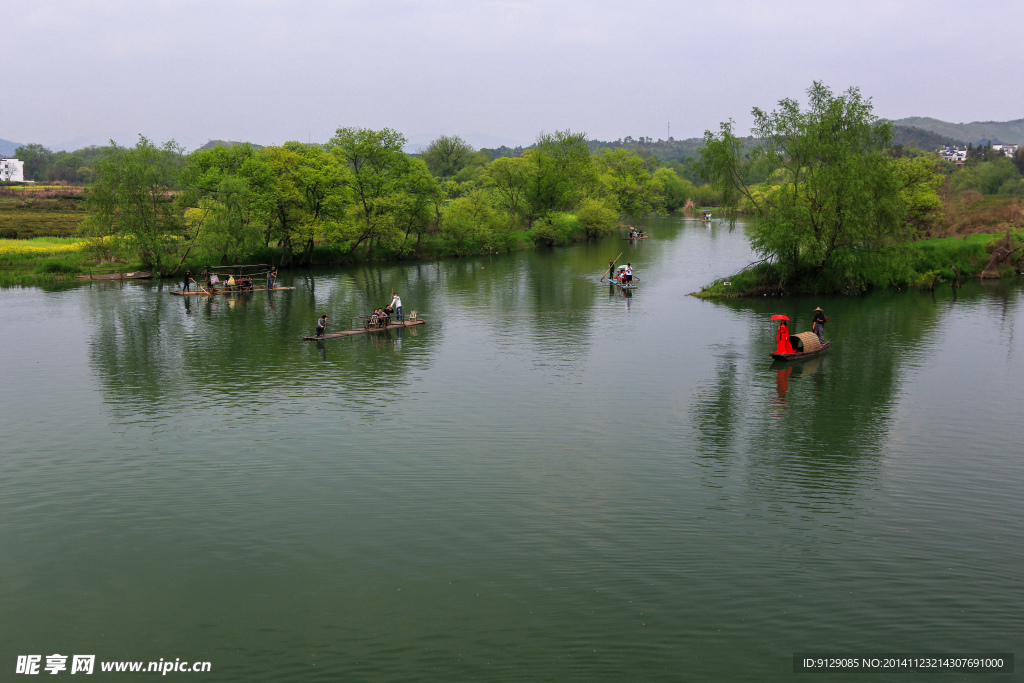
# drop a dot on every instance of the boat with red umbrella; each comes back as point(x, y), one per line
point(803, 345)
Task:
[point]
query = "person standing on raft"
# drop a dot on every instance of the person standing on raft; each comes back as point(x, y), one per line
point(396, 306)
point(188, 280)
point(782, 344)
point(321, 325)
point(818, 324)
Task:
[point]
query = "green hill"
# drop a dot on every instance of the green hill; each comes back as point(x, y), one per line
point(1005, 132)
point(923, 139)
point(227, 143)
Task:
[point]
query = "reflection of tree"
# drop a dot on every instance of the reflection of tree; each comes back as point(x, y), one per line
point(836, 409)
point(232, 354)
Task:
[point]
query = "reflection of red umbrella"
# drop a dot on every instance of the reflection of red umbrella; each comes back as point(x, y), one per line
point(779, 317)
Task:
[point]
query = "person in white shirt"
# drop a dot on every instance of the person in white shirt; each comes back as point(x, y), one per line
point(396, 306)
point(629, 273)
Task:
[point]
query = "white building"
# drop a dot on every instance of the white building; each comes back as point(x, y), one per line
point(12, 170)
point(1008, 150)
point(956, 155)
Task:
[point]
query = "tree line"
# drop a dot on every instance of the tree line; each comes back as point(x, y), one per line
point(360, 196)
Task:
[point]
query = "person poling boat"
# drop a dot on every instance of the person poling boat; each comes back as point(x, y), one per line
point(818, 324)
point(611, 268)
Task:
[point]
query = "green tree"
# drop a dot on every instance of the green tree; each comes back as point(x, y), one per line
point(919, 181)
point(37, 160)
point(224, 212)
point(509, 178)
point(378, 170)
point(447, 155)
point(131, 199)
point(596, 218)
point(624, 177)
point(675, 191)
point(834, 199)
point(563, 173)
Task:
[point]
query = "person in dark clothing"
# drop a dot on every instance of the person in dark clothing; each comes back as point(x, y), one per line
point(188, 280)
point(321, 326)
point(818, 324)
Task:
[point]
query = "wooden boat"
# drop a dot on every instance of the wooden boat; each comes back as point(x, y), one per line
point(224, 290)
point(638, 237)
point(805, 345)
point(366, 330)
point(136, 275)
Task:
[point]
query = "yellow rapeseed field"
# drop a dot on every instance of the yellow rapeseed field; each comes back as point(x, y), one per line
point(21, 248)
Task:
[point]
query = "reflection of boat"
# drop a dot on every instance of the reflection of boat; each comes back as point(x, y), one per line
point(225, 290)
point(805, 345)
point(137, 275)
point(411, 322)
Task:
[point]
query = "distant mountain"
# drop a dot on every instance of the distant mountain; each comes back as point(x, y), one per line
point(1006, 132)
point(228, 143)
point(923, 139)
point(7, 148)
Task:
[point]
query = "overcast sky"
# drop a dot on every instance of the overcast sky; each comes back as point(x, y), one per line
point(493, 72)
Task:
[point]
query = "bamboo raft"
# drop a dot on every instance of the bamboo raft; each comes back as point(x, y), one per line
point(365, 330)
point(808, 345)
point(224, 290)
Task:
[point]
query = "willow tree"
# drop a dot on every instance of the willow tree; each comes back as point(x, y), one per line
point(132, 200)
point(832, 202)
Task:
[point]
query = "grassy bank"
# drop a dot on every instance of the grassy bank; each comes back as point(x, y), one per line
point(55, 259)
point(923, 264)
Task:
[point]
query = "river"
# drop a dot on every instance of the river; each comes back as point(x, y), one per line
point(546, 481)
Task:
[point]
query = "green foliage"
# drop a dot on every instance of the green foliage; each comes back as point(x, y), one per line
point(919, 181)
point(625, 178)
point(377, 171)
point(998, 177)
point(132, 199)
point(562, 174)
point(447, 155)
point(510, 179)
point(58, 268)
point(466, 227)
point(557, 229)
point(675, 191)
point(836, 205)
point(596, 218)
point(37, 160)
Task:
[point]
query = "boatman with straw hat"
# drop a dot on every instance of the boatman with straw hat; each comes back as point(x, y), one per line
point(818, 324)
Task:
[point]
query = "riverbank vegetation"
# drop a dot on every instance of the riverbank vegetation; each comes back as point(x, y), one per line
point(835, 204)
point(835, 210)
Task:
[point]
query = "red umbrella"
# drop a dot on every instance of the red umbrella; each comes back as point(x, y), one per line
point(779, 317)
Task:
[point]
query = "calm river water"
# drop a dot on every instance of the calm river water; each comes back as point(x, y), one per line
point(547, 481)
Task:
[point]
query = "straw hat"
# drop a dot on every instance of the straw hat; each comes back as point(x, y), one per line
point(818, 308)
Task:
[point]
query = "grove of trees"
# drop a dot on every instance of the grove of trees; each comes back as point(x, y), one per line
point(360, 196)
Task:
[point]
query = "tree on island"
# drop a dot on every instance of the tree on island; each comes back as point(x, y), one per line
point(834, 205)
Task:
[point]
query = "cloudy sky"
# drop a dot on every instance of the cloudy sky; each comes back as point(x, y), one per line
point(492, 71)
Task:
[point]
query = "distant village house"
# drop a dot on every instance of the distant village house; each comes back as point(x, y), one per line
point(954, 154)
point(12, 171)
point(1008, 150)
